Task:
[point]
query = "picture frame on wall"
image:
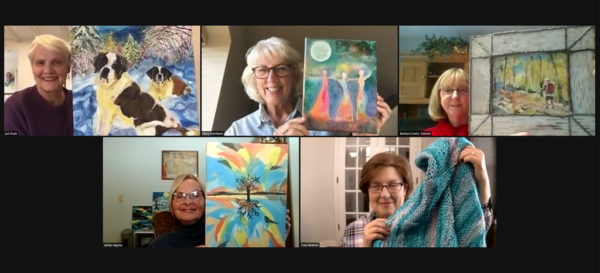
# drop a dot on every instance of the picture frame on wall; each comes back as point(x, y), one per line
point(11, 61)
point(174, 163)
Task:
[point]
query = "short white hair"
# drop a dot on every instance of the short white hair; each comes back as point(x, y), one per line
point(272, 47)
point(51, 43)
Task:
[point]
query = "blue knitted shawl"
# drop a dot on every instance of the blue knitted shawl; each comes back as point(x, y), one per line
point(444, 210)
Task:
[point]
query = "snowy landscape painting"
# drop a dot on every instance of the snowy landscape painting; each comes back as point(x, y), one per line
point(134, 80)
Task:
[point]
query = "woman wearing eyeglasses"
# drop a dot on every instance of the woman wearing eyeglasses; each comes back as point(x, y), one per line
point(449, 104)
point(386, 182)
point(187, 206)
point(273, 78)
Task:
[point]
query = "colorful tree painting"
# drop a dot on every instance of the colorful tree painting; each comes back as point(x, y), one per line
point(246, 194)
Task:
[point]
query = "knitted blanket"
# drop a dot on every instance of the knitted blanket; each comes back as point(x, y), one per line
point(444, 210)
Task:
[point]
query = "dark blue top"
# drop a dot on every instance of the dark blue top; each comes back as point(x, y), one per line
point(186, 236)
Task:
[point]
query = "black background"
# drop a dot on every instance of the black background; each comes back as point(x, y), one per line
point(548, 187)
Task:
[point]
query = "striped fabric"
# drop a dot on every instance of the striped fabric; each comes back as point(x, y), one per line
point(444, 210)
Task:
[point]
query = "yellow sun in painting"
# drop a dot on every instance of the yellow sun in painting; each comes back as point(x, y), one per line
point(320, 51)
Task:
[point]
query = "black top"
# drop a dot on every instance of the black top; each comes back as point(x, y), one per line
point(186, 236)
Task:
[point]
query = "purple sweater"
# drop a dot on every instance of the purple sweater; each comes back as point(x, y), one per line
point(27, 113)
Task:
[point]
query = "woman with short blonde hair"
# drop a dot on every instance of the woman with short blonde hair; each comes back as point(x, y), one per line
point(449, 104)
point(187, 204)
point(45, 108)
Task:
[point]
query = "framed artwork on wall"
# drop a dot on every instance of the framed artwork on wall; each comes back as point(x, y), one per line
point(11, 61)
point(175, 163)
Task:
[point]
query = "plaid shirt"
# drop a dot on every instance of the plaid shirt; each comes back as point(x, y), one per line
point(354, 232)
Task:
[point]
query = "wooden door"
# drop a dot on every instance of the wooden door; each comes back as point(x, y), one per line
point(413, 80)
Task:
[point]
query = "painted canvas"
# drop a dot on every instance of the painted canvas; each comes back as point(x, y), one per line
point(531, 84)
point(160, 202)
point(246, 199)
point(141, 218)
point(11, 62)
point(134, 80)
point(175, 163)
point(340, 85)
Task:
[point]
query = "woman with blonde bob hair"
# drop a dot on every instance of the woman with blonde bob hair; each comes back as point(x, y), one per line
point(273, 77)
point(45, 108)
point(449, 104)
point(187, 204)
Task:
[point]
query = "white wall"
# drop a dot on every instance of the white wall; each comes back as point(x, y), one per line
point(131, 168)
point(317, 191)
point(214, 58)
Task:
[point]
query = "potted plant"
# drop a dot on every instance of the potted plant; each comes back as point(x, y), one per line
point(441, 45)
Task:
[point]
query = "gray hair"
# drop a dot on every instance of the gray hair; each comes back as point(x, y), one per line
point(271, 47)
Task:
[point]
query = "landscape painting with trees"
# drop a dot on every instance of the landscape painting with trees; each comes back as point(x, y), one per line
point(134, 80)
point(531, 84)
point(246, 186)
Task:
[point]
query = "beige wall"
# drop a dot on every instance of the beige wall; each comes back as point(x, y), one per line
point(196, 45)
point(317, 196)
point(233, 101)
point(214, 59)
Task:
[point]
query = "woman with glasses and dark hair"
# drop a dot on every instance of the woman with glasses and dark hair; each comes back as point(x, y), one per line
point(386, 182)
point(273, 78)
point(187, 206)
point(449, 104)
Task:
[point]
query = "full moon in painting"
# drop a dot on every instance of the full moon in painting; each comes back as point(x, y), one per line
point(320, 51)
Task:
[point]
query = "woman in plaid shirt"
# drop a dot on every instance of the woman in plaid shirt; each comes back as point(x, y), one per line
point(386, 181)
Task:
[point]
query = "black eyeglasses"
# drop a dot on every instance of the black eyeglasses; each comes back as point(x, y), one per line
point(377, 188)
point(262, 72)
point(180, 196)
